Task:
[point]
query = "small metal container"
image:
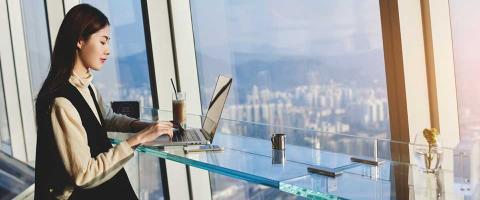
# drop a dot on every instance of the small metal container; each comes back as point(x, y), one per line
point(278, 141)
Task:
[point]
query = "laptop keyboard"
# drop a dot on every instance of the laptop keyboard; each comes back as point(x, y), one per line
point(187, 135)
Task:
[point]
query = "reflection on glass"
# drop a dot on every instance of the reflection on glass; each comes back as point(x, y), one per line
point(4, 130)
point(37, 43)
point(310, 64)
point(125, 75)
point(216, 105)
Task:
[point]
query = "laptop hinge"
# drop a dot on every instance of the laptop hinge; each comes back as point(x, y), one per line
point(206, 135)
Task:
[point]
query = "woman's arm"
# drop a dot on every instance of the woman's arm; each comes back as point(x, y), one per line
point(71, 138)
point(138, 125)
point(72, 142)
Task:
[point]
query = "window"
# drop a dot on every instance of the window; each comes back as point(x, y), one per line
point(37, 43)
point(125, 75)
point(309, 64)
point(466, 40)
point(5, 145)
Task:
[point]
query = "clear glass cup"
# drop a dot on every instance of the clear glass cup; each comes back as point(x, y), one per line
point(179, 109)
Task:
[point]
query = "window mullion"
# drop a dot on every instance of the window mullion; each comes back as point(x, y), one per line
point(406, 72)
point(186, 69)
point(23, 78)
point(12, 101)
point(55, 13)
point(441, 71)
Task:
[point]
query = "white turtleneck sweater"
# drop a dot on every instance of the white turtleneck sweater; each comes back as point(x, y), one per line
point(71, 138)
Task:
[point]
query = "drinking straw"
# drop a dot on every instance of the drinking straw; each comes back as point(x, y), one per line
point(174, 89)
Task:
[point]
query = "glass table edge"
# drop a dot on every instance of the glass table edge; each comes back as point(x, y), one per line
point(303, 192)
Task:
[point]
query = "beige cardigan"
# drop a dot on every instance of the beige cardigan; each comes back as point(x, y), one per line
point(71, 138)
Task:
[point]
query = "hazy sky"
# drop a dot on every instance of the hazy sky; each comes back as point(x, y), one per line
point(305, 27)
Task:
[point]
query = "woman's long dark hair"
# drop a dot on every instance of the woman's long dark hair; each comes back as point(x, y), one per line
point(79, 23)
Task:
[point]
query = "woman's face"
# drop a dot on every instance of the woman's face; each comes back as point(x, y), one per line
point(95, 50)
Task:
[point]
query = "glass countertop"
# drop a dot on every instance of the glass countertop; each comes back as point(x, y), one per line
point(252, 159)
point(253, 164)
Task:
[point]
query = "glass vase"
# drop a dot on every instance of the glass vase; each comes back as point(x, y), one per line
point(428, 151)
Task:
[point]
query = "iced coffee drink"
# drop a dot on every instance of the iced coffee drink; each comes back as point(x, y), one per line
point(179, 110)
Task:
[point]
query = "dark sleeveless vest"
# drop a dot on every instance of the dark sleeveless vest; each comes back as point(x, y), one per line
point(50, 174)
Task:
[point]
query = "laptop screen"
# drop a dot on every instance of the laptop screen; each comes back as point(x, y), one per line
point(216, 105)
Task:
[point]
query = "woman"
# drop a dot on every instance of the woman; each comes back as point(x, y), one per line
point(75, 159)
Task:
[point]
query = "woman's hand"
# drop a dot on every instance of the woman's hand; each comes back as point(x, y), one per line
point(151, 133)
point(139, 125)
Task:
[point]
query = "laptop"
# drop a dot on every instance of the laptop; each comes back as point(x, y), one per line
point(205, 134)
